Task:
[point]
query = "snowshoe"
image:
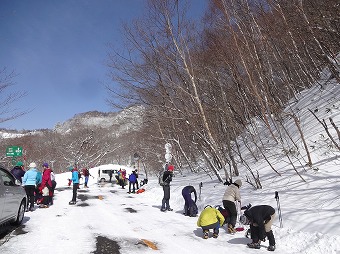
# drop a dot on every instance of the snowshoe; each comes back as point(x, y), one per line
point(254, 245)
point(271, 247)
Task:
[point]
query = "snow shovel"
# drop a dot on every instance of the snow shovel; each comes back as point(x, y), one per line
point(239, 226)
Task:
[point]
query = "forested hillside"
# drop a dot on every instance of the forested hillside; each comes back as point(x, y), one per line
point(211, 88)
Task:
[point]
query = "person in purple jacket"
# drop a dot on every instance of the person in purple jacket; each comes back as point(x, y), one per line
point(190, 207)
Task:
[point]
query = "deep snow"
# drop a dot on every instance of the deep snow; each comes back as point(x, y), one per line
point(109, 211)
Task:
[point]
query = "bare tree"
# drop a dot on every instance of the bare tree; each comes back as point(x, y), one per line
point(7, 98)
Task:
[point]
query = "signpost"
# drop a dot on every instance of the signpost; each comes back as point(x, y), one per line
point(14, 151)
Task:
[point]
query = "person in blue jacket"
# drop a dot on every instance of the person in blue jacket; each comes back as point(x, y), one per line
point(132, 182)
point(29, 182)
point(75, 180)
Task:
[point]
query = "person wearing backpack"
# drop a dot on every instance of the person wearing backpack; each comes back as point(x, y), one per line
point(166, 179)
point(210, 218)
point(190, 207)
point(86, 174)
point(232, 195)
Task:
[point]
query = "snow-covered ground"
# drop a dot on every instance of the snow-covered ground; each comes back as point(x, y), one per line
point(109, 211)
point(106, 219)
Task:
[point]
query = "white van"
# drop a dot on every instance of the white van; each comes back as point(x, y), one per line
point(103, 172)
point(104, 175)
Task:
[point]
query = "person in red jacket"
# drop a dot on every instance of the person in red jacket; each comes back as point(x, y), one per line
point(46, 186)
point(86, 174)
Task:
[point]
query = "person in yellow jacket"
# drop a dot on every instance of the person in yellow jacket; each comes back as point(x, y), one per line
point(210, 218)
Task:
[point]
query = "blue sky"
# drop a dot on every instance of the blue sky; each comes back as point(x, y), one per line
point(58, 49)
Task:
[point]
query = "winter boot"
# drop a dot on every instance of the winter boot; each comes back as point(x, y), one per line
point(205, 234)
point(163, 209)
point(72, 202)
point(271, 238)
point(271, 247)
point(215, 235)
point(254, 245)
point(231, 229)
point(169, 209)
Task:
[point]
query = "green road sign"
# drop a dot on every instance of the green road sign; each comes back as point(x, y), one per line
point(14, 151)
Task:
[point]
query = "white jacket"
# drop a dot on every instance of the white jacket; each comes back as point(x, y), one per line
point(232, 193)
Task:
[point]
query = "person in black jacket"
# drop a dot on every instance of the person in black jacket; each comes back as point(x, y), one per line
point(18, 171)
point(260, 218)
point(167, 178)
point(190, 208)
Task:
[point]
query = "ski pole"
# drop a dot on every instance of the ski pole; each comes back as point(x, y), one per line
point(278, 208)
point(239, 226)
point(201, 185)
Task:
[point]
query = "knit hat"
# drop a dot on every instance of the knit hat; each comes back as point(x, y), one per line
point(238, 182)
point(45, 164)
point(71, 168)
point(33, 165)
point(19, 164)
point(171, 167)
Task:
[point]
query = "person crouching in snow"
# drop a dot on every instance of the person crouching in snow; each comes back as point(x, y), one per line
point(190, 208)
point(75, 180)
point(260, 218)
point(210, 218)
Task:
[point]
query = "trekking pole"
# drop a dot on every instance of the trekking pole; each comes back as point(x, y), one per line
point(239, 226)
point(201, 185)
point(278, 208)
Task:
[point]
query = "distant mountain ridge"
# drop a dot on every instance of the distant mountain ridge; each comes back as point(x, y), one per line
point(128, 119)
point(122, 121)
